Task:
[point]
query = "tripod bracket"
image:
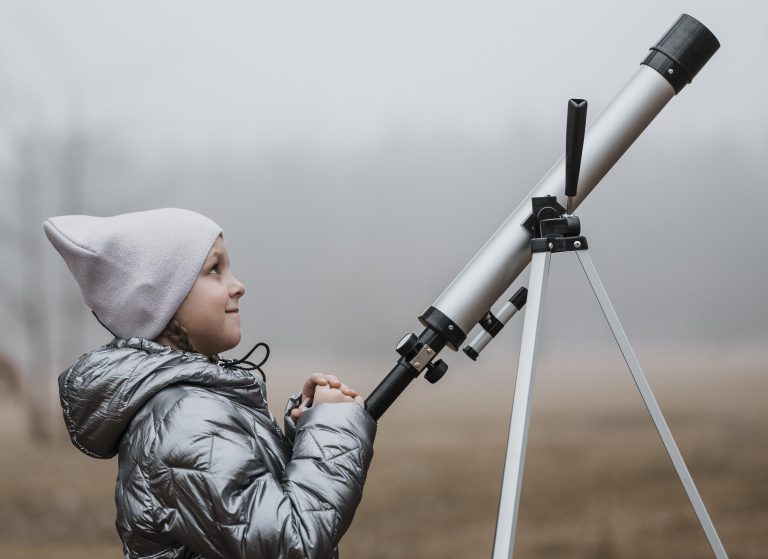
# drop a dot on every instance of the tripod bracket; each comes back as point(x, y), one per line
point(544, 208)
point(559, 244)
point(553, 229)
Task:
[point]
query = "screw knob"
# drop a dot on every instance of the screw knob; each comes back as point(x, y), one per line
point(407, 344)
point(436, 371)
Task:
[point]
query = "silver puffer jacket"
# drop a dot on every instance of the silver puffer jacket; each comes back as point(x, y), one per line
point(204, 471)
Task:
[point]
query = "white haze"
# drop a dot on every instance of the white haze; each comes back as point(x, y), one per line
point(358, 154)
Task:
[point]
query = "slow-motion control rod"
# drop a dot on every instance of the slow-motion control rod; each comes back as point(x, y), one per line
point(671, 64)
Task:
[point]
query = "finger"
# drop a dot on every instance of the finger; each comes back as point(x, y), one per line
point(314, 380)
point(333, 380)
point(349, 391)
point(318, 378)
point(359, 400)
point(304, 406)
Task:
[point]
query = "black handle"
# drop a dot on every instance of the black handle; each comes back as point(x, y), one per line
point(574, 143)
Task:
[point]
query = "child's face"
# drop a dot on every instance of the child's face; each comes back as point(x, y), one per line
point(210, 310)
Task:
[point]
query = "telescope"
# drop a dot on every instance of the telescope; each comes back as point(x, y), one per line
point(668, 67)
point(540, 227)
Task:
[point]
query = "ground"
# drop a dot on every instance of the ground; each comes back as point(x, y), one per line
point(597, 482)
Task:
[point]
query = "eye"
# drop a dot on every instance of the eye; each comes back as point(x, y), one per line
point(215, 268)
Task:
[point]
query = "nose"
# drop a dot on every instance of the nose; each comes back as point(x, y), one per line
point(237, 288)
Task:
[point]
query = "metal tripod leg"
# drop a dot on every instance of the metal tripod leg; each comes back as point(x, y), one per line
point(506, 522)
point(651, 404)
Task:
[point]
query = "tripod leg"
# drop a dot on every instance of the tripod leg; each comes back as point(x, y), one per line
point(506, 523)
point(651, 404)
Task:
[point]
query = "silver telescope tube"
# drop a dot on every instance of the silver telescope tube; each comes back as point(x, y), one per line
point(671, 64)
point(506, 254)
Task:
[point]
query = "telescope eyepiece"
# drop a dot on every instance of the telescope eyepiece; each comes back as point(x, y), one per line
point(683, 50)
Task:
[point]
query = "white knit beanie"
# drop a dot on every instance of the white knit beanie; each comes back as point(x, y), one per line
point(134, 269)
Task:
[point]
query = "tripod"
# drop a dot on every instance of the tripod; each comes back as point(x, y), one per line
point(553, 235)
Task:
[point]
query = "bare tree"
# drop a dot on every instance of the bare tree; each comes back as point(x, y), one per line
point(33, 295)
point(43, 158)
point(10, 376)
point(72, 165)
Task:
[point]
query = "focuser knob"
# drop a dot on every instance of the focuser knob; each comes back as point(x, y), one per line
point(407, 345)
point(436, 370)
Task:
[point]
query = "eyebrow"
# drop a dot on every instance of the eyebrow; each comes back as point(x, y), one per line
point(214, 254)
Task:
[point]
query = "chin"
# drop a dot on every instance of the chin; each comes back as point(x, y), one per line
point(231, 342)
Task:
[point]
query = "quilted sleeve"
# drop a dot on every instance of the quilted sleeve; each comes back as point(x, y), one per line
point(294, 401)
point(219, 497)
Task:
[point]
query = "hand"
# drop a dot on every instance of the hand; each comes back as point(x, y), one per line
point(329, 395)
point(320, 379)
point(316, 380)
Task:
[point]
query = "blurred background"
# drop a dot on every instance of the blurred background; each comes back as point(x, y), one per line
point(338, 143)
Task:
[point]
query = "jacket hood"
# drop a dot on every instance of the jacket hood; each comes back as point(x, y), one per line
point(106, 387)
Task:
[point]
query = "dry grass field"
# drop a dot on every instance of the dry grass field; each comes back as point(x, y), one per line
point(597, 481)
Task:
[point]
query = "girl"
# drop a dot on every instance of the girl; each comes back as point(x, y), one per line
point(204, 471)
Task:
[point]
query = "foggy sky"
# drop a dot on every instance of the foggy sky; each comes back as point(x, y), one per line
point(357, 155)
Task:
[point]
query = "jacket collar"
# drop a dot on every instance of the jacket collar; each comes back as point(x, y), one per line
point(106, 387)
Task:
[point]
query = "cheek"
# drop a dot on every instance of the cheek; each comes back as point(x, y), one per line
point(215, 307)
point(205, 305)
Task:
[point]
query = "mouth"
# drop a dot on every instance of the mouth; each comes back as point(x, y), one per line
point(232, 311)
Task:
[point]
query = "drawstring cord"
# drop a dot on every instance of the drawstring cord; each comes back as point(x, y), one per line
point(227, 363)
point(249, 366)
